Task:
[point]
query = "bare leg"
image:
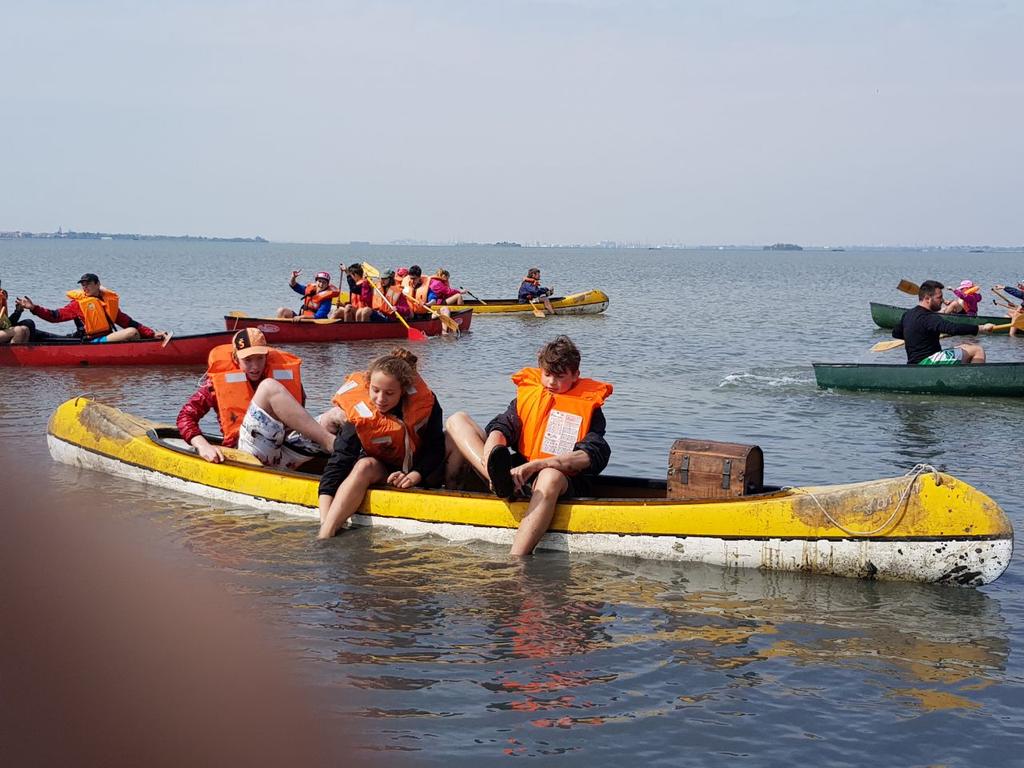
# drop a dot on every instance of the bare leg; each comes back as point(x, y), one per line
point(363, 314)
point(973, 354)
point(332, 419)
point(22, 334)
point(454, 299)
point(125, 334)
point(548, 485)
point(278, 402)
point(547, 305)
point(334, 512)
point(285, 312)
point(467, 439)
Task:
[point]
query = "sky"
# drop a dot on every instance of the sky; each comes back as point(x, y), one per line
point(743, 122)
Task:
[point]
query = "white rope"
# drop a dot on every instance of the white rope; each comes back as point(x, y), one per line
point(914, 473)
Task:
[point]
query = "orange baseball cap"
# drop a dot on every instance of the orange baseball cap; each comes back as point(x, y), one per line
point(248, 342)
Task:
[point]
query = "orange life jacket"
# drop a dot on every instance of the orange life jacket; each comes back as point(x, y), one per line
point(5, 322)
point(98, 314)
point(417, 292)
point(355, 298)
point(235, 392)
point(553, 424)
point(384, 436)
point(313, 298)
point(394, 295)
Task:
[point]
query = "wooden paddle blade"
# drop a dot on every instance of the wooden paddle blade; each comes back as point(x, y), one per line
point(885, 346)
point(167, 338)
point(908, 287)
point(236, 313)
point(450, 323)
point(1018, 323)
point(537, 311)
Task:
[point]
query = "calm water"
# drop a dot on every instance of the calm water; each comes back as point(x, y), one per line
point(432, 652)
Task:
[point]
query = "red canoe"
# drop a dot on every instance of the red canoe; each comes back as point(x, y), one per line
point(180, 350)
point(280, 330)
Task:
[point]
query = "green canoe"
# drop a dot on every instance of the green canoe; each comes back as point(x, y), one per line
point(996, 379)
point(887, 315)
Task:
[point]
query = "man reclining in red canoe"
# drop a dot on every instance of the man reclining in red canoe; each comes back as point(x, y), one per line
point(96, 311)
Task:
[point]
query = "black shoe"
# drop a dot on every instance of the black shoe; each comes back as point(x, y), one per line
point(499, 469)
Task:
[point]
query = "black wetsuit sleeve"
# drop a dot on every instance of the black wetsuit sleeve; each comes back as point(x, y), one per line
point(508, 424)
point(431, 453)
point(594, 444)
point(347, 449)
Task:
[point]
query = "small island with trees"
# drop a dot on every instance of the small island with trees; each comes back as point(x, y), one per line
point(782, 247)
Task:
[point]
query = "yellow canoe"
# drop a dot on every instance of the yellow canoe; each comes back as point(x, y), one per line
point(928, 527)
point(583, 303)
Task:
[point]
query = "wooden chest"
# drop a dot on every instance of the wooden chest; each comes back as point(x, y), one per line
point(705, 469)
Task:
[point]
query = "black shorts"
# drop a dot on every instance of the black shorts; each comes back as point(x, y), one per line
point(579, 485)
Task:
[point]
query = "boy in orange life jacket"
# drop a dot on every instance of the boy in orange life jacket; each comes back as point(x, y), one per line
point(390, 431)
point(256, 392)
point(555, 426)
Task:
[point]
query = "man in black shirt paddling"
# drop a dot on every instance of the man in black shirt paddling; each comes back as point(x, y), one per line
point(921, 327)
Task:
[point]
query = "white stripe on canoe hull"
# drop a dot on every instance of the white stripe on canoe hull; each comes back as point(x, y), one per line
point(583, 309)
point(967, 562)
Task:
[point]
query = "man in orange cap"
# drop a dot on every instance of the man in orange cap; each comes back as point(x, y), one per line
point(256, 392)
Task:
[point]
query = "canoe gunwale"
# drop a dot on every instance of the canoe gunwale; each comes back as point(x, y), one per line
point(158, 435)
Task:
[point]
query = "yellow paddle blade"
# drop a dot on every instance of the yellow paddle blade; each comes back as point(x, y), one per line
point(885, 346)
point(369, 270)
point(236, 313)
point(908, 287)
point(1018, 323)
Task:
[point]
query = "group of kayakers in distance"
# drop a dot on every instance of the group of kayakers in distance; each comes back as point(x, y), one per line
point(386, 425)
point(94, 308)
point(407, 292)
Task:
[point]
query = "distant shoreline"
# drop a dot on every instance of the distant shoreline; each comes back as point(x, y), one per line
point(604, 244)
point(72, 235)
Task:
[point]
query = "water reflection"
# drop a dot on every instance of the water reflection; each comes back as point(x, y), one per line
point(912, 432)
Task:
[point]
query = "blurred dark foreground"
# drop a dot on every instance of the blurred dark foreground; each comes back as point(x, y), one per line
point(111, 654)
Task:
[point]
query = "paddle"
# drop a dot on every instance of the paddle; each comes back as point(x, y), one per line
point(1018, 323)
point(167, 337)
point(537, 311)
point(413, 334)
point(883, 346)
point(908, 287)
point(1005, 298)
point(1004, 305)
point(446, 321)
point(465, 291)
